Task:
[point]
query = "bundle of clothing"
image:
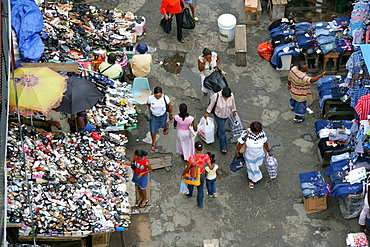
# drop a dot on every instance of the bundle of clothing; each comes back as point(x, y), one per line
point(359, 17)
point(331, 87)
point(312, 184)
point(282, 37)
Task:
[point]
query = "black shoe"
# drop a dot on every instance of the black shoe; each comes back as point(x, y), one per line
point(299, 119)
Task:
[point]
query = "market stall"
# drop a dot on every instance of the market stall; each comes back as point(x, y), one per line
point(73, 185)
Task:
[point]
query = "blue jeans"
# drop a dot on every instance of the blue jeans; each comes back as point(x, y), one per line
point(221, 133)
point(299, 107)
point(200, 195)
point(211, 186)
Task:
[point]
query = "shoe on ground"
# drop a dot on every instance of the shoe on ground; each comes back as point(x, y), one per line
point(210, 195)
point(196, 18)
point(214, 195)
point(299, 119)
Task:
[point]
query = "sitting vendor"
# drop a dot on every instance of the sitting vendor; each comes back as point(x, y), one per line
point(110, 68)
point(140, 63)
point(82, 123)
point(59, 121)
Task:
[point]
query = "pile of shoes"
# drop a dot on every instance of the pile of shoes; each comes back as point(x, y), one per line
point(73, 31)
point(77, 182)
point(117, 112)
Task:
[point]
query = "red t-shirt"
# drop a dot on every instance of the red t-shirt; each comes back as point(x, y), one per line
point(199, 160)
point(170, 7)
point(140, 166)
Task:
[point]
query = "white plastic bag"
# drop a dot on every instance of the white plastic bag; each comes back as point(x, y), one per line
point(206, 130)
point(271, 166)
point(183, 188)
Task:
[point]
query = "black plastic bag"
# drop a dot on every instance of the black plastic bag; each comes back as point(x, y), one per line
point(237, 163)
point(187, 20)
point(166, 24)
point(215, 82)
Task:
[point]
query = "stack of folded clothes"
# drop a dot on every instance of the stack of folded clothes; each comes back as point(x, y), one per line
point(312, 184)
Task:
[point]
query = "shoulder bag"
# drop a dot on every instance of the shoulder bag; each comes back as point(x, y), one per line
point(187, 20)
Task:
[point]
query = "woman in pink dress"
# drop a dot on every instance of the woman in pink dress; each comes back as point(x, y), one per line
point(184, 142)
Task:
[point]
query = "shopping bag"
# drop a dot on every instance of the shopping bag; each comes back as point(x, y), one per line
point(166, 24)
point(215, 81)
point(235, 124)
point(188, 179)
point(187, 20)
point(271, 166)
point(206, 130)
point(183, 188)
point(237, 163)
point(193, 133)
point(265, 50)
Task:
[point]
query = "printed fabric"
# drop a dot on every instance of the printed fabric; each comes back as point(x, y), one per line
point(300, 85)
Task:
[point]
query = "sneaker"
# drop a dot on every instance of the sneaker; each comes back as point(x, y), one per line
point(214, 195)
point(299, 119)
point(195, 18)
point(210, 195)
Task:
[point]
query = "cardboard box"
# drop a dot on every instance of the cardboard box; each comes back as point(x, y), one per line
point(315, 204)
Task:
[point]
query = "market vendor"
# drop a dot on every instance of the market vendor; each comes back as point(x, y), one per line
point(59, 121)
point(110, 68)
point(82, 123)
point(140, 63)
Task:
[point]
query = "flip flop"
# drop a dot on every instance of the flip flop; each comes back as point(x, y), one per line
point(145, 203)
point(224, 151)
point(251, 185)
point(137, 203)
point(166, 130)
point(182, 40)
point(154, 148)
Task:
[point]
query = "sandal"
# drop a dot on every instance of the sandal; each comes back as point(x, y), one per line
point(365, 230)
point(182, 40)
point(224, 151)
point(153, 148)
point(251, 185)
point(166, 130)
point(143, 205)
point(137, 203)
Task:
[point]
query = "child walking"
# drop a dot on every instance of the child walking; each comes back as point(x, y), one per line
point(212, 172)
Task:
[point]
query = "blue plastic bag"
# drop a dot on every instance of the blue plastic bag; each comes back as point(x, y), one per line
point(183, 188)
point(237, 163)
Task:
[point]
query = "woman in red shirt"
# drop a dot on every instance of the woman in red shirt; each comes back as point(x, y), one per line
point(174, 7)
point(199, 159)
point(141, 167)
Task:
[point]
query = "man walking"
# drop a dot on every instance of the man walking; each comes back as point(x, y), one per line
point(299, 85)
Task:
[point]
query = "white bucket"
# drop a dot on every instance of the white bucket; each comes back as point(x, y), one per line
point(226, 24)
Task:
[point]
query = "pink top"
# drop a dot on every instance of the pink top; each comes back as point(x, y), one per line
point(223, 107)
point(184, 124)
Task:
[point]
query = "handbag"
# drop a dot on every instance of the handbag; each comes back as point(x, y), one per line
point(148, 114)
point(187, 20)
point(237, 163)
point(166, 24)
point(244, 146)
point(189, 179)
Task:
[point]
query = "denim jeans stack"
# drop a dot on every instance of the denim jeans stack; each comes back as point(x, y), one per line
point(325, 33)
point(331, 87)
point(312, 184)
point(305, 38)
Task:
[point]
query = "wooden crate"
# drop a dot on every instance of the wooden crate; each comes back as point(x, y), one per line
point(100, 239)
point(253, 17)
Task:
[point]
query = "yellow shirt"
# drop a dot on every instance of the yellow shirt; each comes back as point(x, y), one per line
point(113, 72)
point(300, 85)
point(140, 64)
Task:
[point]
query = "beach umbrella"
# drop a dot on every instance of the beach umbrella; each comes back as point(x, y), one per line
point(39, 90)
point(81, 95)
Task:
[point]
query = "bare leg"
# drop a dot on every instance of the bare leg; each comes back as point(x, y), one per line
point(140, 194)
point(154, 143)
point(192, 9)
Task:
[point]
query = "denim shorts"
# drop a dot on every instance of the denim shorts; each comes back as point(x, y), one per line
point(299, 107)
point(188, 1)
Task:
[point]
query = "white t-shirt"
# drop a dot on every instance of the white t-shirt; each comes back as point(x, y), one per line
point(158, 106)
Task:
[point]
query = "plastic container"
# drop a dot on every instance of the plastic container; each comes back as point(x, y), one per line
point(226, 24)
point(286, 61)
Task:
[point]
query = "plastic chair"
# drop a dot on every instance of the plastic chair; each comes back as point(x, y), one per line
point(139, 84)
